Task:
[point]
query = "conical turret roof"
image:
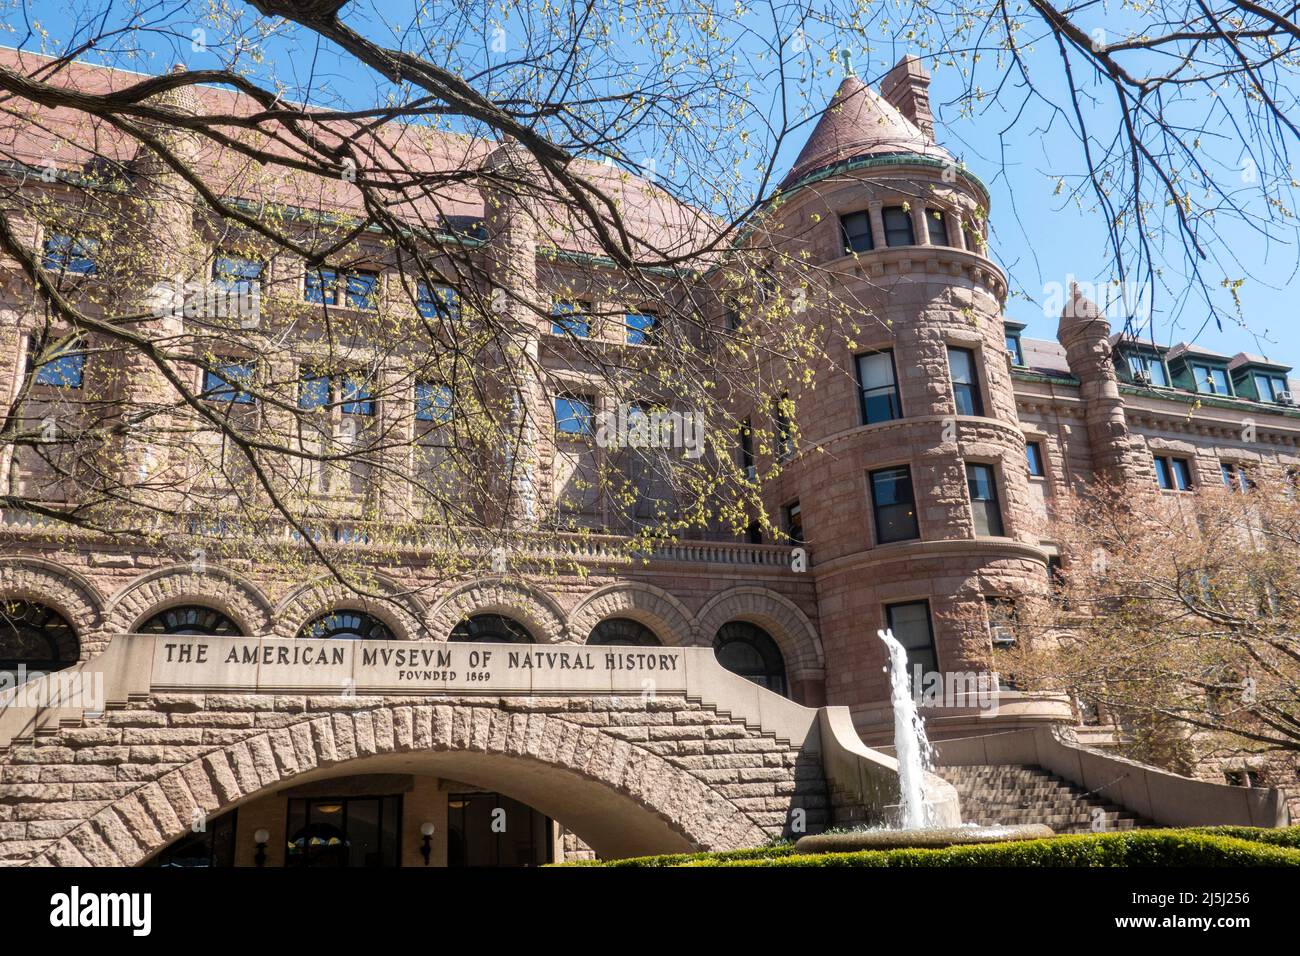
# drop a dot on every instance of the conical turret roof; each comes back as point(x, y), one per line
point(859, 122)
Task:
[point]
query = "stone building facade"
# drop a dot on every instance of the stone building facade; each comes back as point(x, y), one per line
point(928, 457)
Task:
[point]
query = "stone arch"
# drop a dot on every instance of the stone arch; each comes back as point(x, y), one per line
point(655, 793)
point(64, 591)
point(779, 616)
point(530, 606)
point(231, 594)
point(402, 611)
point(651, 606)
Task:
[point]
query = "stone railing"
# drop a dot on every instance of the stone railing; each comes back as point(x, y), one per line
point(1147, 791)
point(462, 542)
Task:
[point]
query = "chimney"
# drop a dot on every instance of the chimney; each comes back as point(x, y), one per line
point(907, 88)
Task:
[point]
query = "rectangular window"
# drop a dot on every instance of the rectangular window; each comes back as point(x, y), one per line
point(640, 327)
point(910, 624)
point(1014, 349)
point(965, 385)
point(857, 232)
point(898, 226)
point(223, 384)
point(894, 505)
point(355, 396)
point(794, 523)
point(236, 274)
point(984, 500)
point(362, 290)
point(65, 368)
point(747, 450)
point(1034, 457)
point(359, 288)
point(879, 387)
point(571, 318)
point(1211, 381)
point(937, 226)
point(1235, 476)
point(432, 402)
point(321, 285)
point(1270, 387)
point(1173, 474)
point(313, 389)
point(64, 253)
point(1002, 618)
point(437, 301)
point(573, 414)
point(1148, 369)
point(344, 831)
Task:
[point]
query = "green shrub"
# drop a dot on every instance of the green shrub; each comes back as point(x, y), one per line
point(1209, 846)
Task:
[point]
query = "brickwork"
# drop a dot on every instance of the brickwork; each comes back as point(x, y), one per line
point(120, 786)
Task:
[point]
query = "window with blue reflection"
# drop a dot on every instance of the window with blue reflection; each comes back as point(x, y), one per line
point(640, 327)
point(64, 253)
point(66, 368)
point(236, 273)
point(437, 301)
point(356, 396)
point(224, 383)
point(570, 318)
point(573, 414)
point(362, 289)
point(432, 402)
point(321, 285)
point(313, 389)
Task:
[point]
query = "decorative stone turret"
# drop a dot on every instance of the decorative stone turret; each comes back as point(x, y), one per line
point(1085, 334)
point(907, 87)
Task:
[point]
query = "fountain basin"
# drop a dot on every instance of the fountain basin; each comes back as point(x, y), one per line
point(934, 838)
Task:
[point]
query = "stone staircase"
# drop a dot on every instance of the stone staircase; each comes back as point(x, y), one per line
point(993, 794)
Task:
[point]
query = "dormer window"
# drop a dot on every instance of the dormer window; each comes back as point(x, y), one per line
point(1148, 369)
point(1211, 380)
point(1272, 388)
point(1014, 349)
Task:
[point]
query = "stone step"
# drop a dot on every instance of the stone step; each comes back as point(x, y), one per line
point(1004, 794)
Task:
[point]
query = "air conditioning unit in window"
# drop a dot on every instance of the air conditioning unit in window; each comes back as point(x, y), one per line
point(1142, 378)
point(1285, 398)
point(1003, 636)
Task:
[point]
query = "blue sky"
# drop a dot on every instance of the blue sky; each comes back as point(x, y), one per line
point(1039, 235)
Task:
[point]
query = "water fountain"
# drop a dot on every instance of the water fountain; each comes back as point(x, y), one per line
point(915, 758)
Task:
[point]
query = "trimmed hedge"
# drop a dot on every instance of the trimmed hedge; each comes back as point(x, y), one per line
point(1207, 846)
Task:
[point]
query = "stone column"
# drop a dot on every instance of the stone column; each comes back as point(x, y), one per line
point(510, 214)
point(920, 228)
point(877, 224)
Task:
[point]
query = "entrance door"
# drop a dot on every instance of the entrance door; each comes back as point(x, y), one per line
point(343, 831)
point(489, 829)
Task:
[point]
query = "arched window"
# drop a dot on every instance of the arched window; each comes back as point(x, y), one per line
point(491, 629)
point(36, 637)
point(190, 619)
point(623, 632)
point(347, 624)
point(749, 651)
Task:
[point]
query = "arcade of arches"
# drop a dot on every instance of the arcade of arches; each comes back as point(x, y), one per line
point(367, 819)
